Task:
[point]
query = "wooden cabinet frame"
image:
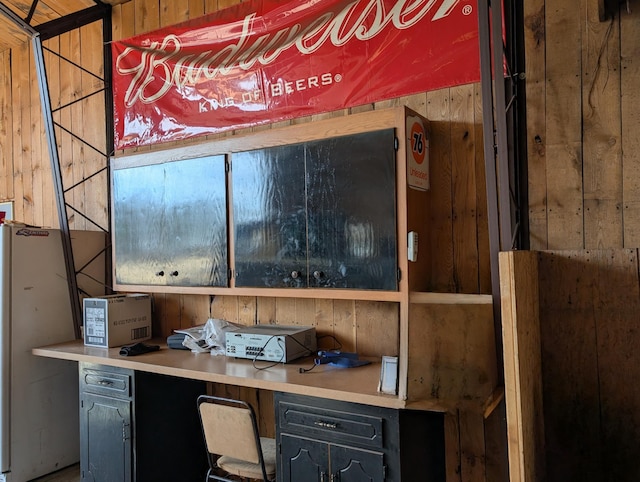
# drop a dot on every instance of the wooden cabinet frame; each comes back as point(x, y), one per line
point(412, 205)
point(450, 362)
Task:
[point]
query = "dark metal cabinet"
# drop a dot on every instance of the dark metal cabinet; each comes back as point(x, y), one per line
point(106, 452)
point(317, 214)
point(137, 426)
point(170, 222)
point(309, 460)
point(328, 441)
point(105, 449)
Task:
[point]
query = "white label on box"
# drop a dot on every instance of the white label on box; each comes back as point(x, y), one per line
point(94, 322)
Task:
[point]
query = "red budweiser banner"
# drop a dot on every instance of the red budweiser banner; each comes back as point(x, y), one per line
point(266, 61)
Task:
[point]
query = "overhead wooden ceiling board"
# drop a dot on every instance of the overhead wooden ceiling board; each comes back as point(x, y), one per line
point(11, 35)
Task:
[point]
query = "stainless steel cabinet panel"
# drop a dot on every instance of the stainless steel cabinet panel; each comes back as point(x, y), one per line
point(170, 223)
point(317, 214)
point(269, 214)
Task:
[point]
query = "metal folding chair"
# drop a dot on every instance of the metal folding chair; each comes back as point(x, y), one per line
point(233, 443)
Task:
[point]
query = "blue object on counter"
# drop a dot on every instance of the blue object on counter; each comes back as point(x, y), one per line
point(340, 359)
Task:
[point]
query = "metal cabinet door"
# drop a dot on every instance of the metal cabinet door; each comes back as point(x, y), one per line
point(351, 205)
point(318, 214)
point(269, 217)
point(353, 465)
point(170, 223)
point(105, 439)
point(303, 460)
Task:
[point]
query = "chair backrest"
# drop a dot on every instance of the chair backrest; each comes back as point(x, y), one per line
point(229, 428)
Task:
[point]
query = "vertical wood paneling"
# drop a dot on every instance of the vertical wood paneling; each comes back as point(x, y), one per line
point(266, 310)
point(225, 308)
point(194, 310)
point(94, 130)
point(416, 102)
point(52, 66)
point(20, 95)
point(452, 447)
point(36, 133)
point(247, 309)
point(324, 324)
point(535, 46)
point(630, 116)
point(497, 460)
point(80, 195)
point(569, 369)
point(564, 125)
point(146, 15)
point(472, 448)
point(522, 365)
point(378, 328)
point(463, 174)
point(210, 6)
point(618, 342)
point(579, 123)
point(589, 346)
point(345, 324)
point(64, 115)
point(173, 12)
point(196, 8)
point(123, 21)
point(6, 127)
point(441, 235)
point(602, 163)
point(227, 3)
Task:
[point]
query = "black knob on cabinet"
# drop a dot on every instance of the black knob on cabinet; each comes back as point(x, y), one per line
point(174, 273)
point(160, 273)
point(318, 274)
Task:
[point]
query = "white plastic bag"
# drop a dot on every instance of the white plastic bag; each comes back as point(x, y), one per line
point(209, 337)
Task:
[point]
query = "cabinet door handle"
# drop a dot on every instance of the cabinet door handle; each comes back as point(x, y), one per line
point(323, 477)
point(104, 382)
point(125, 432)
point(174, 273)
point(318, 274)
point(295, 274)
point(334, 478)
point(320, 423)
point(160, 273)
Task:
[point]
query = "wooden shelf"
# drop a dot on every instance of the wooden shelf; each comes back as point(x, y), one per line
point(449, 298)
point(357, 385)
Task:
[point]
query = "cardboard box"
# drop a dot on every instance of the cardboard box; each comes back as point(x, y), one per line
point(116, 320)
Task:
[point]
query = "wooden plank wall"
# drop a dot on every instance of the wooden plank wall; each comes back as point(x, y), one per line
point(589, 305)
point(522, 365)
point(571, 344)
point(475, 446)
point(582, 124)
point(583, 119)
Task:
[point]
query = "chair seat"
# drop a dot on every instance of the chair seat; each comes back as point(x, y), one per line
point(251, 470)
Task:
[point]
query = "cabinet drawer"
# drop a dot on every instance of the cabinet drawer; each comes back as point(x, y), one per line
point(332, 425)
point(110, 381)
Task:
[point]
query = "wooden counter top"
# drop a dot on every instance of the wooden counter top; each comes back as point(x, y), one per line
point(357, 385)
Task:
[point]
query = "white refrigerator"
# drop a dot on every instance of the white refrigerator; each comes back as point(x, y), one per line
point(39, 425)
